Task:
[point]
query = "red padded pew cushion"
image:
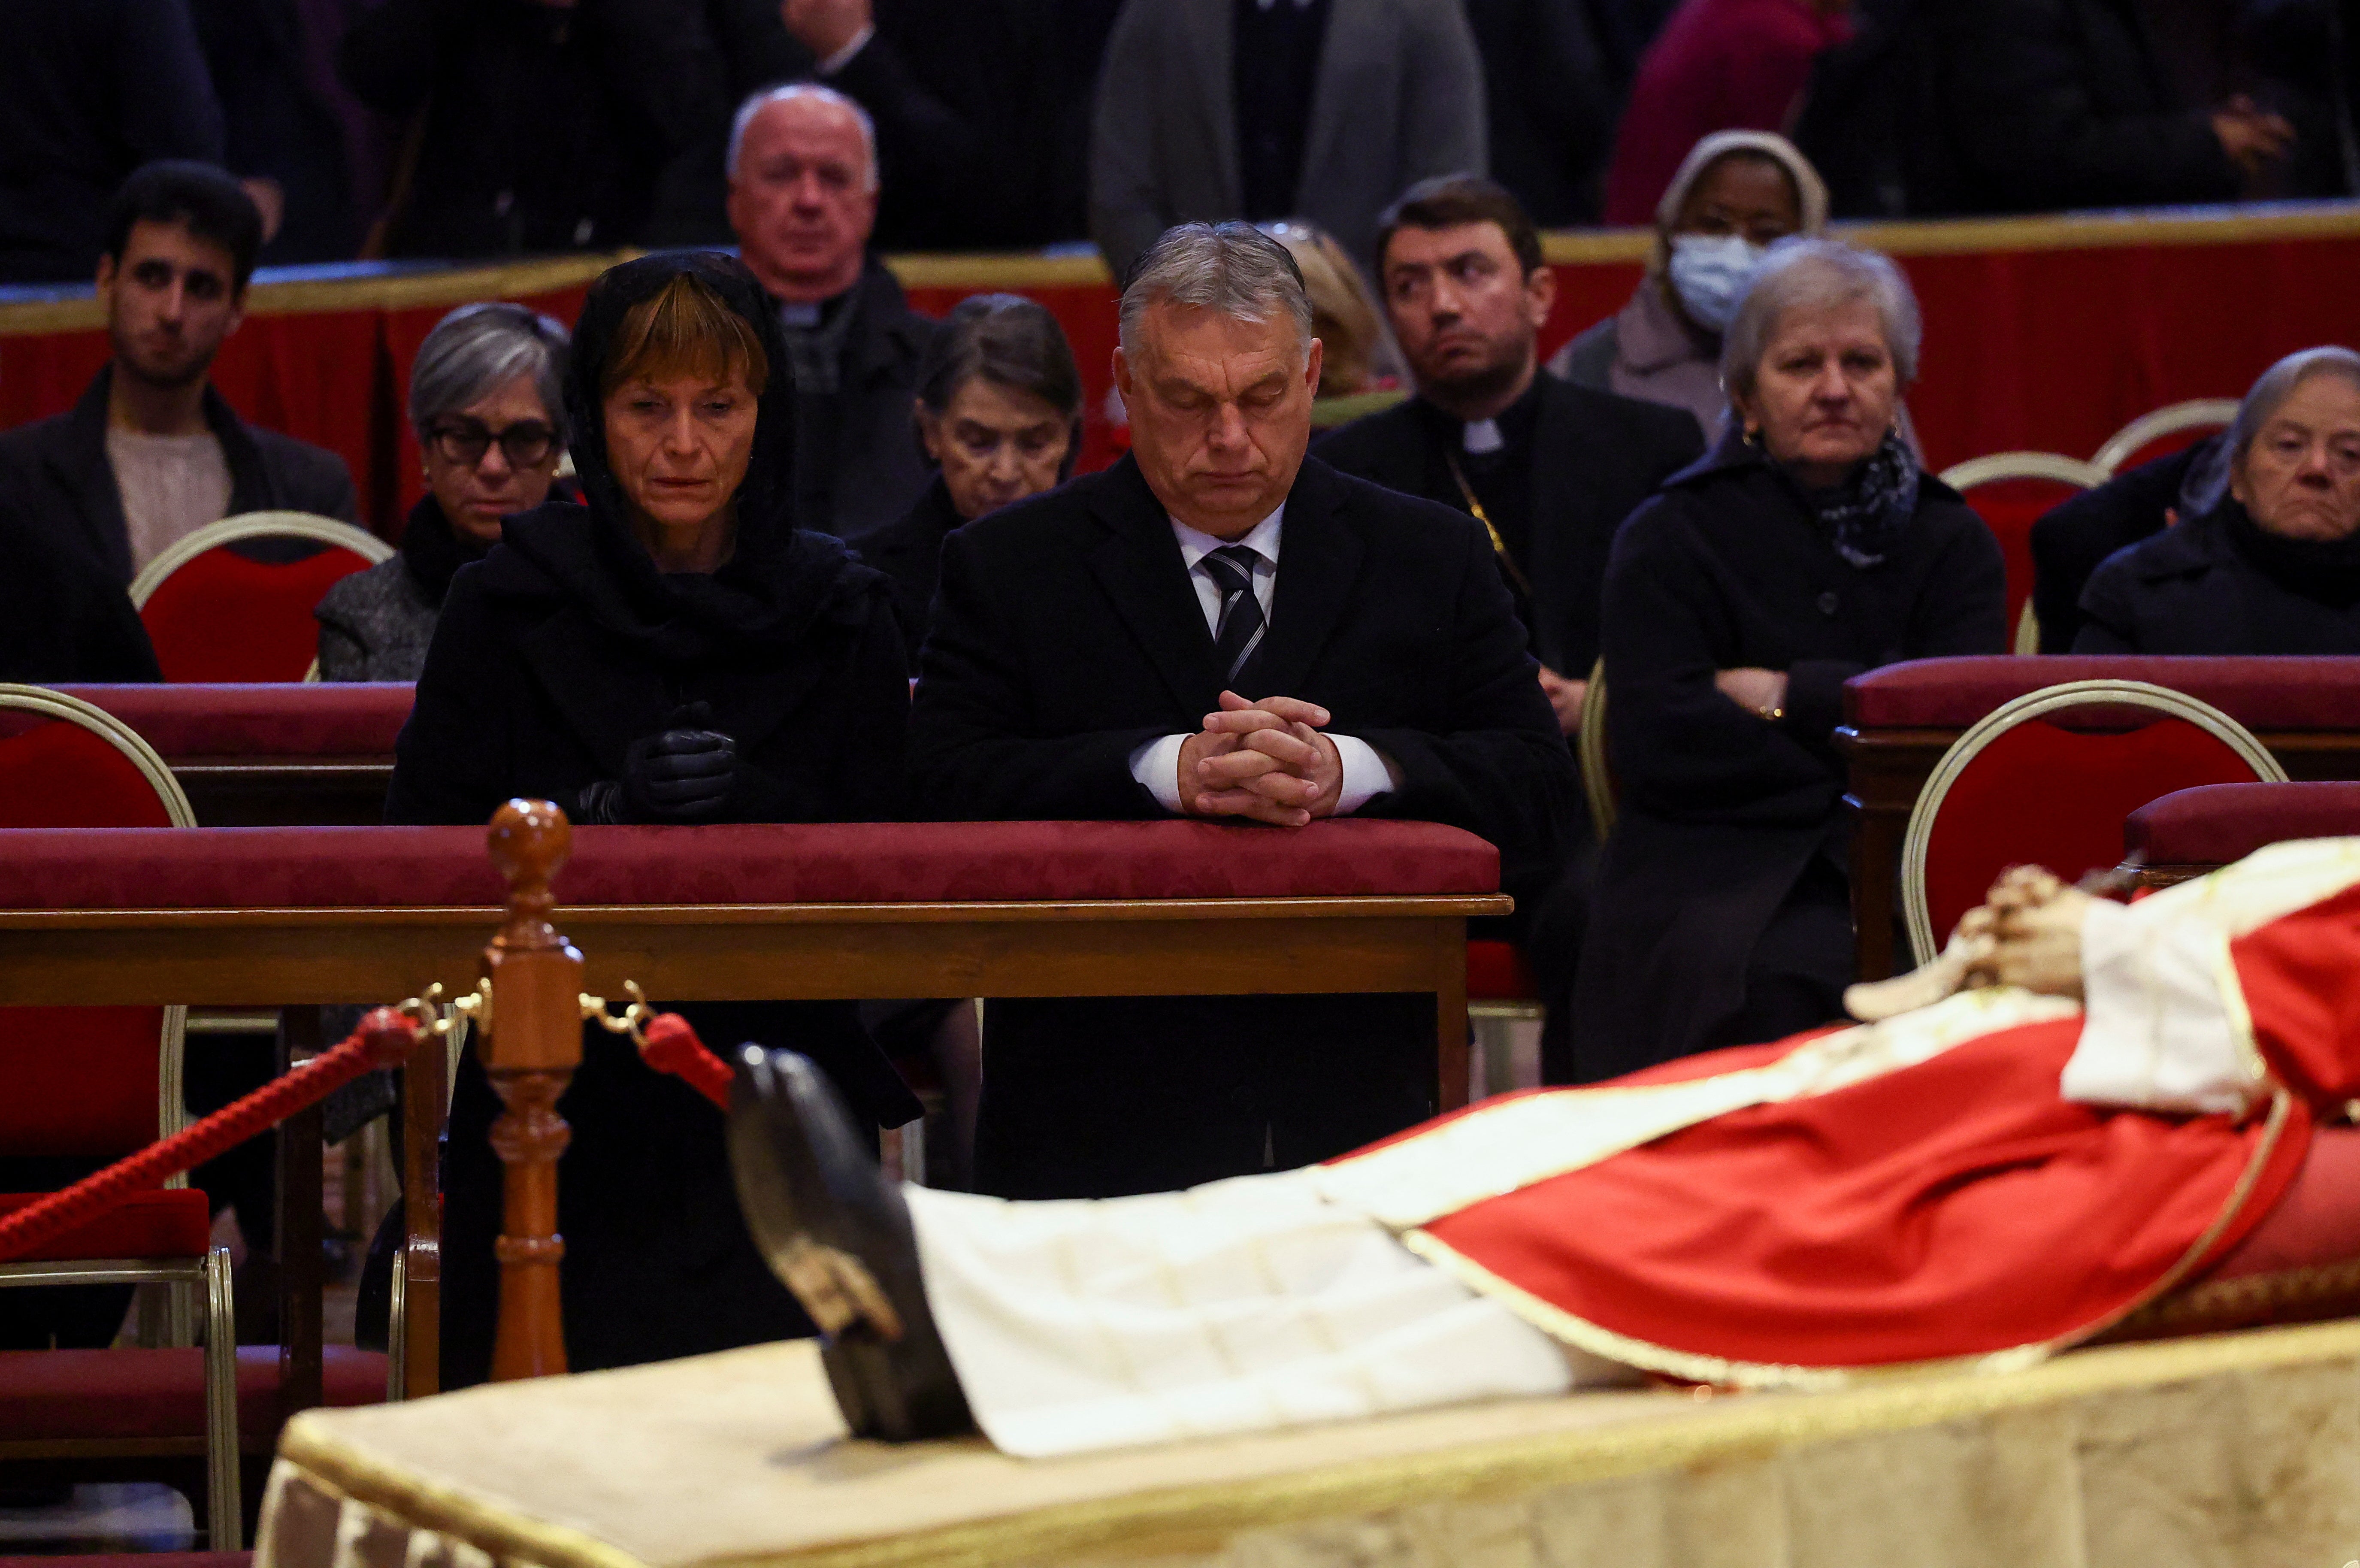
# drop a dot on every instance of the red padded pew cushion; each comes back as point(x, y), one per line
point(151, 1394)
point(310, 868)
point(2259, 692)
point(258, 719)
point(2218, 824)
point(164, 1221)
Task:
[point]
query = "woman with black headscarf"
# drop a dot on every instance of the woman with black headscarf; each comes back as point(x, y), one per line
point(1806, 547)
point(672, 651)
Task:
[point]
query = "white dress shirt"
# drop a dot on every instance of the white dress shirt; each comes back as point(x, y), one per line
point(1156, 764)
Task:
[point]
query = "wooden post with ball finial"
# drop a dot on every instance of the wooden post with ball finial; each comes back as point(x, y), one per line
point(533, 1047)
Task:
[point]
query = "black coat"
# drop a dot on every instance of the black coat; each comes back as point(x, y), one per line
point(1065, 635)
point(59, 470)
point(2044, 105)
point(858, 465)
point(552, 655)
point(2071, 540)
point(1596, 457)
point(2217, 584)
point(63, 616)
point(89, 92)
point(547, 128)
point(910, 554)
point(1721, 812)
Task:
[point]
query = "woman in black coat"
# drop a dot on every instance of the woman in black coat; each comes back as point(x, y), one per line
point(1807, 547)
point(670, 652)
point(2272, 565)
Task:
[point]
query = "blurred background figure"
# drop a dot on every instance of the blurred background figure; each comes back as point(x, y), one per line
point(1735, 195)
point(315, 154)
point(1718, 65)
point(1552, 92)
point(89, 92)
point(1321, 109)
point(2272, 565)
point(486, 400)
point(804, 193)
point(1359, 355)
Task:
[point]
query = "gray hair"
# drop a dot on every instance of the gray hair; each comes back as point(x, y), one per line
point(1802, 273)
point(787, 93)
point(1234, 268)
point(2208, 478)
point(476, 350)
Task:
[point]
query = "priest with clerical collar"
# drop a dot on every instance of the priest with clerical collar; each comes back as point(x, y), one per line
point(802, 202)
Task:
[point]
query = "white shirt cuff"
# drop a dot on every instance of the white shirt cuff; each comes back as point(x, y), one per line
point(1367, 774)
point(843, 57)
point(2157, 1030)
point(1156, 765)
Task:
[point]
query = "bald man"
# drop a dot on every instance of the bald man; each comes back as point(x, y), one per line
point(802, 203)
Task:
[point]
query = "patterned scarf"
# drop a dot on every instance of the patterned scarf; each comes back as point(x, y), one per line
point(1864, 517)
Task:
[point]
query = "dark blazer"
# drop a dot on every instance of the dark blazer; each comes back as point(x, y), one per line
point(2201, 588)
point(2071, 540)
point(857, 462)
point(910, 554)
point(61, 473)
point(1065, 635)
point(1720, 811)
point(1595, 457)
point(63, 617)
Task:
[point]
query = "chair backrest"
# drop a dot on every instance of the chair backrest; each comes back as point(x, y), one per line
point(2018, 788)
point(217, 615)
point(2166, 431)
point(94, 1083)
point(2010, 492)
point(1589, 751)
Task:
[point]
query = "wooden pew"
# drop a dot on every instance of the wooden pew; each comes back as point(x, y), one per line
point(269, 755)
point(1899, 721)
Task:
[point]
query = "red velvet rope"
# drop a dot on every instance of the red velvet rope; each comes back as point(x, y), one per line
point(670, 1045)
point(384, 1038)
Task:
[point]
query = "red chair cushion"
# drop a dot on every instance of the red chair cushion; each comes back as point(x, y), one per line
point(2009, 508)
point(164, 1222)
point(223, 617)
point(2214, 825)
point(1496, 972)
point(198, 868)
point(2260, 693)
point(134, 1395)
point(319, 719)
point(2039, 795)
point(54, 774)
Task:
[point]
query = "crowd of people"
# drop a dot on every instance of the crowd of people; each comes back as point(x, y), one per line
point(754, 541)
point(465, 129)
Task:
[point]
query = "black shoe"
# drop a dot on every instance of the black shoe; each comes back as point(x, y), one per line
point(838, 1233)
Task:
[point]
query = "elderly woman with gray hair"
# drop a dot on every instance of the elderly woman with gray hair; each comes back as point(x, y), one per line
point(485, 399)
point(2268, 558)
point(1806, 547)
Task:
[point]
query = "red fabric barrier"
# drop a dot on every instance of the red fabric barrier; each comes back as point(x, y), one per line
point(226, 618)
point(2039, 335)
point(312, 868)
point(146, 1394)
point(2217, 824)
point(261, 719)
point(169, 1221)
point(2259, 693)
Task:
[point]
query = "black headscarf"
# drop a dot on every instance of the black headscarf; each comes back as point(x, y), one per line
point(778, 582)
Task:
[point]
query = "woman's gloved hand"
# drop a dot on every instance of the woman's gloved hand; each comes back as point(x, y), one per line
point(682, 774)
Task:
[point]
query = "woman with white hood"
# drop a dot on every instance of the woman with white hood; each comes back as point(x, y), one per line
point(1736, 193)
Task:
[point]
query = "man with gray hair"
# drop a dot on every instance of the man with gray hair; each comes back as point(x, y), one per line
point(1221, 627)
point(802, 202)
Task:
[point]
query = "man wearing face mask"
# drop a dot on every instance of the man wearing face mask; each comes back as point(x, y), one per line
point(1736, 194)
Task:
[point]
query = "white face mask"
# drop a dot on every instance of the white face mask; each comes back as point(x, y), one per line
point(1709, 272)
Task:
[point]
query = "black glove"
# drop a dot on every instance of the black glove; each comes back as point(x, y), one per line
point(683, 774)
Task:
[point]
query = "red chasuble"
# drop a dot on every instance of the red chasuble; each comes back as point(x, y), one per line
point(1921, 1190)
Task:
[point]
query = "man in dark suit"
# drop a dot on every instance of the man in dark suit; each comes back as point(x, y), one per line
point(152, 453)
point(1551, 470)
point(802, 202)
point(1087, 659)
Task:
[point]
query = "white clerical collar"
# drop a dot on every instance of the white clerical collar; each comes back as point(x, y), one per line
point(1482, 435)
point(1266, 5)
point(799, 313)
point(1196, 545)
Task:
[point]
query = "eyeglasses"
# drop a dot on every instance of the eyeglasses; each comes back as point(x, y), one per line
point(526, 443)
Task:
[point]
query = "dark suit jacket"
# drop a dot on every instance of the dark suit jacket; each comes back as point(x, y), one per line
point(2071, 540)
point(860, 467)
point(910, 552)
point(1065, 634)
point(63, 617)
point(59, 468)
point(1595, 457)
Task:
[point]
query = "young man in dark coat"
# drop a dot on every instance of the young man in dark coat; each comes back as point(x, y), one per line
point(1220, 627)
point(802, 202)
point(671, 650)
point(151, 453)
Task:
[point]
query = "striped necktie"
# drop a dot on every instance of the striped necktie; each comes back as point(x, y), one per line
point(1240, 630)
